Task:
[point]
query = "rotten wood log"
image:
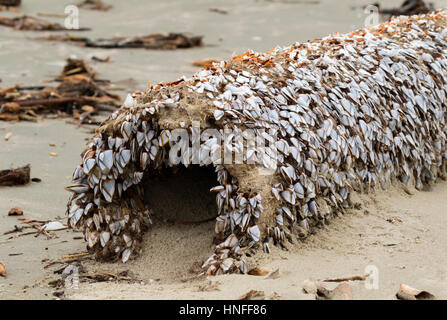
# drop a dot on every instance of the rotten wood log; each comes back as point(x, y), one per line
point(28, 221)
point(76, 255)
point(80, 125)
point(23, 234)
point(77, 66)
point(39, 229)
point(79, 88)
point(13, 177)
point(6, 90)
point(16, 229)
point(67, 262)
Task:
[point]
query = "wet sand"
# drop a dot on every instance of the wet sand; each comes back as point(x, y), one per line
point(411, 251)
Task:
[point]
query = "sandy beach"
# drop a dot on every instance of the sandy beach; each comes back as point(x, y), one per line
point(403, 235)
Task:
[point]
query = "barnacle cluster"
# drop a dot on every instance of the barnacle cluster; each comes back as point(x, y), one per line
point(350, 112)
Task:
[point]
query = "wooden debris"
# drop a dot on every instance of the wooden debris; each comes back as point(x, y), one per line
point(360, 277)
point(408, 293)
point(94, 5)
point(29, 23)
point(76, 255)
point(13, 177)
point(26, 220)
point(11, 107)
point(107, 276)
point(259, 271)
point(409, 8)
point(204, 62)
point(253, 295)
point(10, 9)
point(2, 270)
point(40, 230)
point(36, 224)
point(8, 136)
point(63, 100)
point(6, 90)
point(394, 220)
point(79, 90)
point(151, 41)
point(15, 212)
point(10, 3)
point(90, 277)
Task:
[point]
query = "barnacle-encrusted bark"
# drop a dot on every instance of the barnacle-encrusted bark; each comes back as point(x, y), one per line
point(351, 112)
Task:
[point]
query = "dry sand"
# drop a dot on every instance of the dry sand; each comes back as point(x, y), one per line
point(410, 249)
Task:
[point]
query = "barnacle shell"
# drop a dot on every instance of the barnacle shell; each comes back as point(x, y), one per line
point(342, 113)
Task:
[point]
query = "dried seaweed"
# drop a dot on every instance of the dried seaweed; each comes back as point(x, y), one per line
point(409, 8)
point(29, 23)
point(151, 41)
point(94, 5)
point(79, 94)
point(10, 3)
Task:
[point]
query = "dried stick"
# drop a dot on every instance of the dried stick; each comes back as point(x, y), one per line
point(351, 278)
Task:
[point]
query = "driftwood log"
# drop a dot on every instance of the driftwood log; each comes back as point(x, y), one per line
point(288, 135)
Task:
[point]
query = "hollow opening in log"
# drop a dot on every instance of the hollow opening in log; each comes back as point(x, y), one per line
point(182, 194)
point(183, 212)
